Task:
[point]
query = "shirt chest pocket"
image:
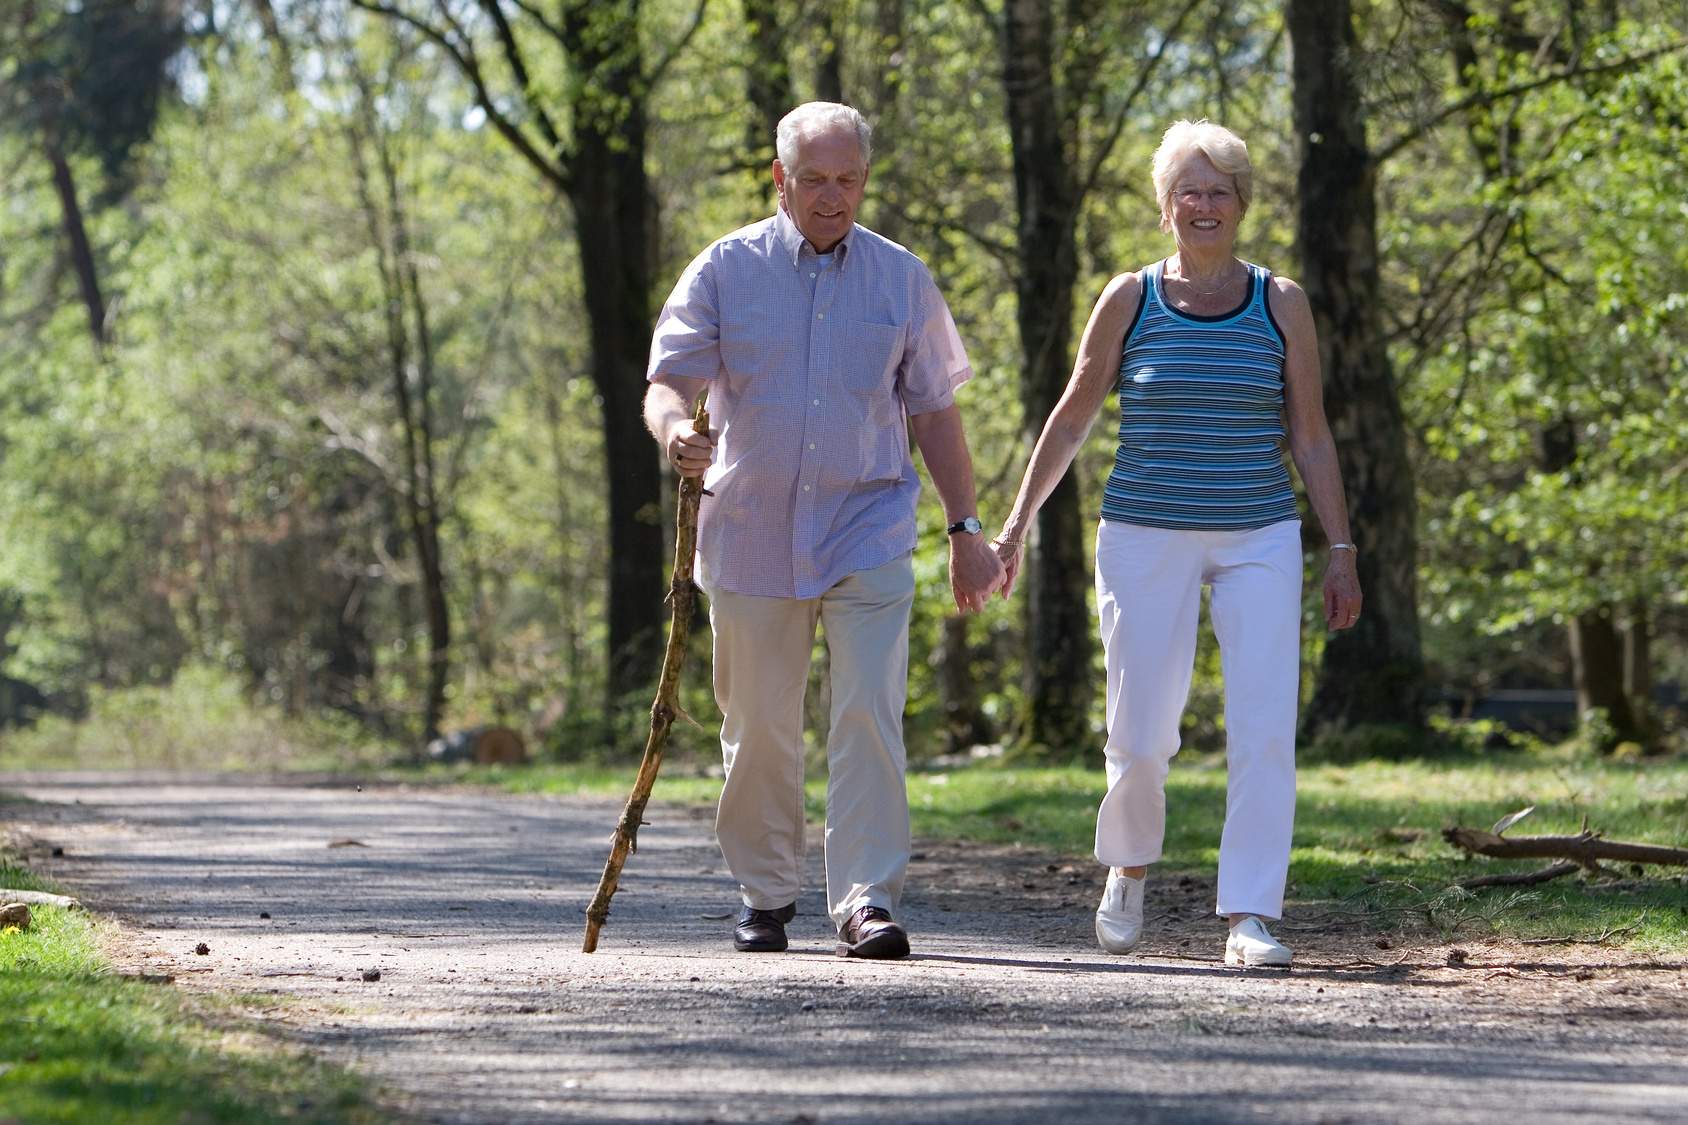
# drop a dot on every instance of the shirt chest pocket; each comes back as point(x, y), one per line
point(870, 356)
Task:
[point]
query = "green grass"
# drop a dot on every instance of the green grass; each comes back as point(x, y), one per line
point(1367, 845)
point(79, 1043)
point(1367, 839)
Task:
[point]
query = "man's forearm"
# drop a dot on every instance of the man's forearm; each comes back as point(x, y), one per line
point(669, 402)
point(943, 446)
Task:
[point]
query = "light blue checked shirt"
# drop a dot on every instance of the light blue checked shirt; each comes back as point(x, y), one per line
point(814, 363)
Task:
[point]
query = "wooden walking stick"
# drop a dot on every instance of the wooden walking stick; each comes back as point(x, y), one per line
point(666, 708)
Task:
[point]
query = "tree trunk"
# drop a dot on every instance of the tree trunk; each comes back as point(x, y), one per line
point(883, 95)
point(76, 234)
point(615, 216)
point(410, 355)
point(598, 162)
point(277, 39)
point(1374, 672)
point(829, 71)
point(1638, 665)
point(1598, 669)
point(566, 579)
point(958, 689)
point(768, 84)
point(1059, 683)
point(422, 491)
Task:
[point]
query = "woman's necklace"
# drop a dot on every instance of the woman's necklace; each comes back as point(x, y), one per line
point(1211, 290)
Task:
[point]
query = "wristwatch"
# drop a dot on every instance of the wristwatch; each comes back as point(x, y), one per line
point(970, 525)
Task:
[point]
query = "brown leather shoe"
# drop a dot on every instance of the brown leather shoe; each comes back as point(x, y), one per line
point(762, 931)
point(869, 932)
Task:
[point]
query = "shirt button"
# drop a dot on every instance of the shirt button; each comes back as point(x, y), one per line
point(811, 445)
point(820, 316)
point(805, 488)
point(811, 273)
point(817, 402)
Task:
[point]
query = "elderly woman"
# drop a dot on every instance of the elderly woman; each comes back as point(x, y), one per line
point(1212, 356)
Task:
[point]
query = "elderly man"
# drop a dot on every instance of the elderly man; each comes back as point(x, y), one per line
point(822, 345)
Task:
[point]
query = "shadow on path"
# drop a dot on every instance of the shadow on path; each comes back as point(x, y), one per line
point(470, 904)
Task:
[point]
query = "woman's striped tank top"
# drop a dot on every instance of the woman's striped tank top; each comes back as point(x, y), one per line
point(1201, 417)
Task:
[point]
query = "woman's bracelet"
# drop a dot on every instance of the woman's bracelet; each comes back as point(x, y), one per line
point(999, 541)
point(1344, 547)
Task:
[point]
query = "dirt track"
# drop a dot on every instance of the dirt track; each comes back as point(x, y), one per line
point(470, 906)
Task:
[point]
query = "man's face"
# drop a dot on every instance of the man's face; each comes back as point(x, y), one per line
point(822, 192)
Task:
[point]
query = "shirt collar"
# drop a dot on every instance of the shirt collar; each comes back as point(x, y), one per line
point(794, 244)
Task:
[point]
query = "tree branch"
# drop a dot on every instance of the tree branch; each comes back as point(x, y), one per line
point(1003, 252)
point(555, 172)
point(1522, 879)
point(533, 13)
point(1143, 77)
point(518, 67)
point(1586, 848)
point(1489, 97)
point(661, 67)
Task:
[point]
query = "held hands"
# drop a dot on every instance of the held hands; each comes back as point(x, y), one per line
point(1342, 582)
point(1009, 553)
point(975, 572)
point(690, 453)
point(1342, 591)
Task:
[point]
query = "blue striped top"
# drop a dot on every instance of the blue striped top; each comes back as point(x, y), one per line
point(1201, 417)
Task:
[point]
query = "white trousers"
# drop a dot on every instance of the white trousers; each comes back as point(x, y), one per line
point(1148, 593)
point(762, 648)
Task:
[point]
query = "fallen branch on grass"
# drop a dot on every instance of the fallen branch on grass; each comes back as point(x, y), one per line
point(1606, 935)
point(1522, 878)
point(1586, 849)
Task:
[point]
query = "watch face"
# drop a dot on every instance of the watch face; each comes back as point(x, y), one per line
point(970, 525)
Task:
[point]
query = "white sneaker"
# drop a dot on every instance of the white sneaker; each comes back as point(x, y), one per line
point(1252, 946)
point(1119, 920)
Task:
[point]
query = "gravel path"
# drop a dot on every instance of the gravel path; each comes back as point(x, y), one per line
point(470, 906)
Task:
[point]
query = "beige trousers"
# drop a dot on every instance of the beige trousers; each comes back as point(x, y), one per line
point(762, 648)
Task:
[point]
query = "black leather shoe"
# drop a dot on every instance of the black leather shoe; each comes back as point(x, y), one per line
point(871, 933)
point(762, 931)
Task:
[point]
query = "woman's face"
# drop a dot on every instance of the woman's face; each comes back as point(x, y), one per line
point(1203, 209)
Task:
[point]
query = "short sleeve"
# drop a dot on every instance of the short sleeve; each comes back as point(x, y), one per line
point(687, 340)
point(935, 362)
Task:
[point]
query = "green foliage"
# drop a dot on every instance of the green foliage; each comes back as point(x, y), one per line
point(1368, 742)
point(79, 1043)
point(204, 719)
point(93, 75)
point(1552, 412)
point(222, 488)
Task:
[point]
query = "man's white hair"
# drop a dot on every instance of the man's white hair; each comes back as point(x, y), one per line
point(812, 118)
point(1223, 149)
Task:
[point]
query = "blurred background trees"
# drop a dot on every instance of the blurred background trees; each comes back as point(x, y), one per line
point(322, 328)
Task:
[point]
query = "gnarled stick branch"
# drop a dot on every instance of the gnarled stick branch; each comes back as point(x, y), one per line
point(682, 595)
point(1586, 848)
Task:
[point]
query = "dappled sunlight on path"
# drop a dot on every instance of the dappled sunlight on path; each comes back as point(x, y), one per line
point(470, 906)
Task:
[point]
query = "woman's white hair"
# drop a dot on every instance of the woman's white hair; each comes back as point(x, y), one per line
point(811, 118)
point(1185, 140)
